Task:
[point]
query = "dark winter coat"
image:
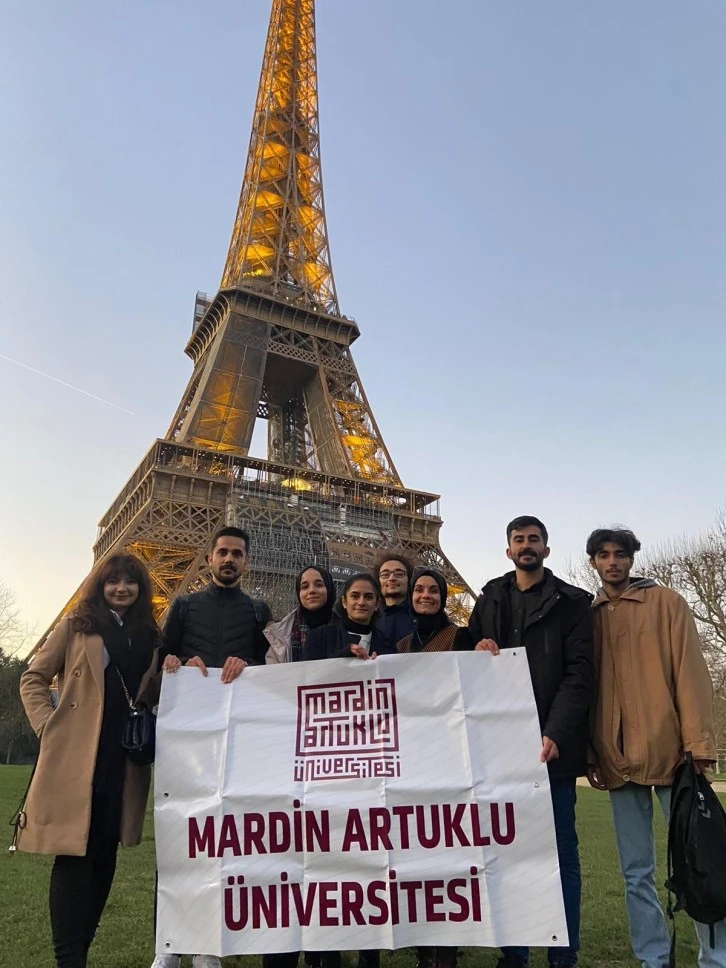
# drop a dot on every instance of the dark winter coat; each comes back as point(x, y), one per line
point(215, 624)
point(334, 642)
point(396, 621)
point(558, 638)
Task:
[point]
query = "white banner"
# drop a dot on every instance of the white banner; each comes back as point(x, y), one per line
point(345, 805)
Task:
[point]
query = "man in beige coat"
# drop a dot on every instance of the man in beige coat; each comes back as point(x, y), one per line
point(653, 705)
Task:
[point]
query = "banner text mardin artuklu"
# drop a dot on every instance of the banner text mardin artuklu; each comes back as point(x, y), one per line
point(376, 828)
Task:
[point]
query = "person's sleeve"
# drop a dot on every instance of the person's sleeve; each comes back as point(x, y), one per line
point(569, 712)
point(271, 656)
point(261, 645)
point(173, 631)
point(476, 627)
point(382, 645)
point(694, 692)
point(36, 681)
point(463, 641)
point(313, 648)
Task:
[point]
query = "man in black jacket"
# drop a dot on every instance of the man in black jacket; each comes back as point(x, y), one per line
point(532, 609)
point(393, 569)
point(218, 628)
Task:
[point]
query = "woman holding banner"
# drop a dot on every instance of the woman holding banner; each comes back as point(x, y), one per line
point(87, 794)
point(315, 593)
point(355, 635)
point(434, 632)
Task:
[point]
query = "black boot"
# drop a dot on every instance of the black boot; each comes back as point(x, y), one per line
point(512, 961)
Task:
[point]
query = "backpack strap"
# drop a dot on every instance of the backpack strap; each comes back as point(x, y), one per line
point(262, 613)
point(672, 897)
point(671, 907)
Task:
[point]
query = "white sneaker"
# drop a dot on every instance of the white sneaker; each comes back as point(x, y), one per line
point(206, 961)
point(166, 961)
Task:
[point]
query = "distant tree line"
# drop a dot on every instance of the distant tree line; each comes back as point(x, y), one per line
point(17, 740)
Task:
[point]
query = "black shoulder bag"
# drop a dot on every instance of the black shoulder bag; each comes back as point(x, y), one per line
point(139, 734)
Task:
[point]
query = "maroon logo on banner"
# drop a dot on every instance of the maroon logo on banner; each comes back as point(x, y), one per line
point(347, 731)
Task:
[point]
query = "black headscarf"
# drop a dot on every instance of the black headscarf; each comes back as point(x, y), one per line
point(427, 625)
point(304, 618)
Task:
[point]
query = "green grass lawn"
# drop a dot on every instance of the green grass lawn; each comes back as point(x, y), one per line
point(124, 939)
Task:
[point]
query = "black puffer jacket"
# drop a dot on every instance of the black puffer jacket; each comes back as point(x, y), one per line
point(558, 640)
point(215, 624)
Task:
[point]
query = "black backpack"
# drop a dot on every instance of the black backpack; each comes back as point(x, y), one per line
point(696, 850)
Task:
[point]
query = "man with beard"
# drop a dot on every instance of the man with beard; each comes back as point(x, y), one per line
point(653, 705)
point(219, 627)
point(532, 609)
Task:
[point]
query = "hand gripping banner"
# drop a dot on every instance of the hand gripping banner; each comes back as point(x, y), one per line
point(349, 804)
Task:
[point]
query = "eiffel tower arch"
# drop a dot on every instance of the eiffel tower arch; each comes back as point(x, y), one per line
point(272, 345)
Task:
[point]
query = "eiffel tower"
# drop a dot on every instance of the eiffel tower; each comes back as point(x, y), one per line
point(272, 344)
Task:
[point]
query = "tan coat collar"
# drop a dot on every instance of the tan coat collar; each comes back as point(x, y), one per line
point(634, 592)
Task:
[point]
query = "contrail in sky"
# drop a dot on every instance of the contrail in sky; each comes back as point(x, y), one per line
point(68, 385)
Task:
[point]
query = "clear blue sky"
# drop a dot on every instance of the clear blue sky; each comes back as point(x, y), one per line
point(527, 218)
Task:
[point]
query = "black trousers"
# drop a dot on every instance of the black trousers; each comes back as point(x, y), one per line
point(79, 889)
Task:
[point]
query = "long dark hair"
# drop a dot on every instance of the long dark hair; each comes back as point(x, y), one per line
point(90, 614)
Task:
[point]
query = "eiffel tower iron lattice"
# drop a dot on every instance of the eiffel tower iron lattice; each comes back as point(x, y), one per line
point(273, 345)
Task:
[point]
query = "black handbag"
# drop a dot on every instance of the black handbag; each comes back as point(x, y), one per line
point(139, 733)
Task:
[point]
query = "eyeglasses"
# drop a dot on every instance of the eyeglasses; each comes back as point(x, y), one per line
point(398, 573)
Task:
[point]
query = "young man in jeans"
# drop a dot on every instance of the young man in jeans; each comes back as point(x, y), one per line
point(653, 705)
point(532, 609)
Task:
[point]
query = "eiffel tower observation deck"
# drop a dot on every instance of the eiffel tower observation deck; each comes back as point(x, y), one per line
point(273, 345)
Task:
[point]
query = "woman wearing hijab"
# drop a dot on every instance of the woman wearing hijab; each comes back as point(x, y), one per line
point(434, 631)
point(315, 593)
point(87, 795)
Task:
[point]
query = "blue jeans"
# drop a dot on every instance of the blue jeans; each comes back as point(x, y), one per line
point(564, 797)
point(632, 807)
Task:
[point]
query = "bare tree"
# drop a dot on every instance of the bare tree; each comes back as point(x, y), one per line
point(696, 567)
point(14, 635)
point(16, 737)
point(582, 574)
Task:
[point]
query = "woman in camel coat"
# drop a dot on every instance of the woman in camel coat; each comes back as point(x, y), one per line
point(86, 796)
